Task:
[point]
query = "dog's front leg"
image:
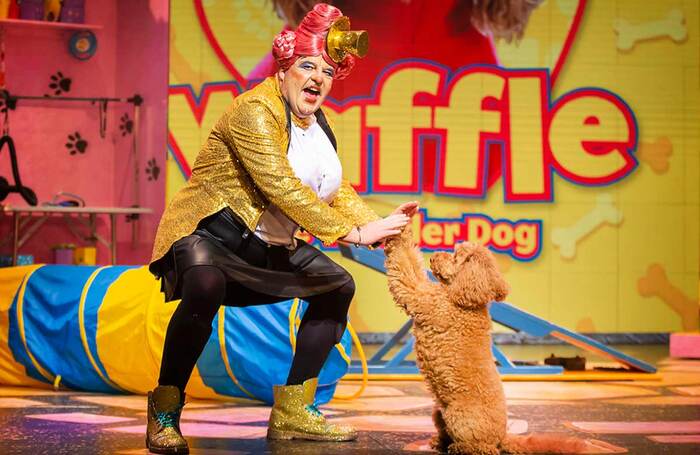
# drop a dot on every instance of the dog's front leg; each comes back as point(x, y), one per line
point(408, 280)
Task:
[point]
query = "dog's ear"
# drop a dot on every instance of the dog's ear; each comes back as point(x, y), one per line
point(464, 252)
point(500, 286)
point(470, 287)
point(477, 280)
point(443, 266)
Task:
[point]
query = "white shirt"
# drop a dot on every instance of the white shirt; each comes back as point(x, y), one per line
point(316, 163)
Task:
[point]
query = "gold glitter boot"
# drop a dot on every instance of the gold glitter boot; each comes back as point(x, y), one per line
point(294, 416)
point(163, 433)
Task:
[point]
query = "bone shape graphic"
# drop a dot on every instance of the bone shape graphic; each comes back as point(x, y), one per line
point(604, 212)
point(656, 284)
point(656, 154)
point(629, 34)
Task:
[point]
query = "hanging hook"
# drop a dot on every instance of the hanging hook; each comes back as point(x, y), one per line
point(103, 118)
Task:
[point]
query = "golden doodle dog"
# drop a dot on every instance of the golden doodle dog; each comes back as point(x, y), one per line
point(452, 330)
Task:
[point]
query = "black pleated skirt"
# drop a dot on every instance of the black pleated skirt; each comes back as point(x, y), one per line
point(223, 241)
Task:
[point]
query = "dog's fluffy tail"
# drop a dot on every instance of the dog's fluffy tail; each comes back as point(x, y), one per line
point(556, 443)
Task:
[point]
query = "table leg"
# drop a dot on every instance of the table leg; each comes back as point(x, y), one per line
point(93, 229)
point(15, 237)
point(113, 228)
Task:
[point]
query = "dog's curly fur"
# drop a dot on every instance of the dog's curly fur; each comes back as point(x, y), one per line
point(452, 330)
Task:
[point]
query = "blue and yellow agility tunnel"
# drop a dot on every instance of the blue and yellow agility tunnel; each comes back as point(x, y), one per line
point(101, 329)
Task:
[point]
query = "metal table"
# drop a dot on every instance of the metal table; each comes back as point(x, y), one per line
point(32, 223)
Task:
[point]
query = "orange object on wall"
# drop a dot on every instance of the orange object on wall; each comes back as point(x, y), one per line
point(52, 10)
point(85, 255)
point(9, 9)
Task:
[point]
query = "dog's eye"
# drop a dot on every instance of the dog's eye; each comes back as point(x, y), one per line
point(464, 258)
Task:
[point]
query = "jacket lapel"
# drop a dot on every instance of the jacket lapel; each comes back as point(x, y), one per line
point(323, 123)
point(320, 118)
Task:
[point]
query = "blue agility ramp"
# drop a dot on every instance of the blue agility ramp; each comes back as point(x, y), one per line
point(502, 313)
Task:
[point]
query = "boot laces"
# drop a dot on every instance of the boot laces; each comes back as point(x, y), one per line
point(168, 419)
point(314, 410)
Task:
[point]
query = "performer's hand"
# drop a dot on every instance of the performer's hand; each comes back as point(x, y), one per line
point(376, 231)
point(409, 209)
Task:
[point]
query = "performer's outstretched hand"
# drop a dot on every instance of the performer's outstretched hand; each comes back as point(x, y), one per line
point(409, 209)
point(376, 231)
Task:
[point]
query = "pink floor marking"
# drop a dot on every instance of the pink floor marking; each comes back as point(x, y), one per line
point(234, 414)
point(693, 391)
point(134, 402)
point(692, 426)
point(672, 361)
point(81, 417)
point(229, 415)
point(677, 439)
point(390, 423)
point(683, 368)
point(370, 391)
point(20, 403)
point(409, 424)
point(658, 401)
point(516, 402)
point(381, 404)
point(421, 445)
point(516, 426)
point(572, 391)
point(205, 430)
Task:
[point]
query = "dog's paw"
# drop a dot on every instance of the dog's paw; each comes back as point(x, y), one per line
point(462, 448)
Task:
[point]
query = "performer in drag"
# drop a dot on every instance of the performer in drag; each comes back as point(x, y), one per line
point(268, 168)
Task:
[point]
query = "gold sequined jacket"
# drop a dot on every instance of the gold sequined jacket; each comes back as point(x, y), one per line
point(243, 165)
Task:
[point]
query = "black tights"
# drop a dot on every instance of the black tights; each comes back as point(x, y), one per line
point(204, 290)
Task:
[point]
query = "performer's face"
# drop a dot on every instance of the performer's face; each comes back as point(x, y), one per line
point(306, 84)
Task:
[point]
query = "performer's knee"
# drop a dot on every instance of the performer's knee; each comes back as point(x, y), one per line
point(347, 291)
point(203, 290)
point(331, 308)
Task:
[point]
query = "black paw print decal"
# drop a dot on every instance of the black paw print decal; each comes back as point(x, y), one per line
point(152, 169)
point(76, 144)
point(127, 125)
point(59, 83)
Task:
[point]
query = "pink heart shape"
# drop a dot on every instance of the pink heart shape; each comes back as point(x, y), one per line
point(238, 77)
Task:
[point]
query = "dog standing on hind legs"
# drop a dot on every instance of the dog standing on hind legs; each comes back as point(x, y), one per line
point(452, 329)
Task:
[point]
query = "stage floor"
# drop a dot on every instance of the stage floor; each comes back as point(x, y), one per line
point(643, 417)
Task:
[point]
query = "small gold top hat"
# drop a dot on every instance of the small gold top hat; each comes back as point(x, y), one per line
point(342, 41)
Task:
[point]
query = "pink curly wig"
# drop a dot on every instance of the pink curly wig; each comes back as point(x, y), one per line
point(309, 39)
